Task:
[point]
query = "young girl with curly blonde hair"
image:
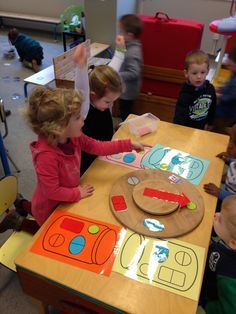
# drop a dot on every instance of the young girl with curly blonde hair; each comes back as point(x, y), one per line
point(56, 115)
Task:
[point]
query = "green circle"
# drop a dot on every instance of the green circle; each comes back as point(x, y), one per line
point(93, 229)
point(164, 166)
point(191, 205)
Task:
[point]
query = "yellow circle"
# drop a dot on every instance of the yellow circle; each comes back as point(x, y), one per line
point(164, 166)
point(93, 229)
point(191, 205)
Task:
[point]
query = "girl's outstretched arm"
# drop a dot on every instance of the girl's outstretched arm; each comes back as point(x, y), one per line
point(81, 75)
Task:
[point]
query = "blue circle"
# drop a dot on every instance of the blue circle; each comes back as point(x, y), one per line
point(77, 245)
point(128, 158)
point(176, 160)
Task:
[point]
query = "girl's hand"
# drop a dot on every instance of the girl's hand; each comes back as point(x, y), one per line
point(86, 190)
point(224, 156)
point(81, 55)
point(120, 42)
point(138, 146)
point(212, 189)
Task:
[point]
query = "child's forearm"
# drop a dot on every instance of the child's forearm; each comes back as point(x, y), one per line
point(117, 60)
point(81, 75)
point(62, 194)
point(119, 54)
point(82, 84)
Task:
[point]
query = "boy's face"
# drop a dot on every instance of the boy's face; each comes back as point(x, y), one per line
point(196, 74)
point(231, 150)
point(127, 36)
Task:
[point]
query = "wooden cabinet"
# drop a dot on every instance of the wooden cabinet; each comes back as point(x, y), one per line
point(153, 98)
point(162, 107)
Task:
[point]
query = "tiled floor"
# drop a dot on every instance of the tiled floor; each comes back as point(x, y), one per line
point(12, 298)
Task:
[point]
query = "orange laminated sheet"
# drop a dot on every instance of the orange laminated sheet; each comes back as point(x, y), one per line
point(80, 241)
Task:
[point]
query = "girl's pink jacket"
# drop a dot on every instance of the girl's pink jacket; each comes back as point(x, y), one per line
point(58, 174)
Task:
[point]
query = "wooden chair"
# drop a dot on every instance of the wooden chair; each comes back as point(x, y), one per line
point(18, 240)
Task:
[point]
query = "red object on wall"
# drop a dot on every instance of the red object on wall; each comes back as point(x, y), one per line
point(166, 41)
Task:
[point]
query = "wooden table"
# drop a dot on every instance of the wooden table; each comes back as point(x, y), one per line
point(41, 78)
point(47, 75)
point(61, 285)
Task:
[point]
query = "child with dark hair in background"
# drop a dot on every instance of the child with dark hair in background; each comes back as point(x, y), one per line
point(28, 49)
point(131, 70)
point(56, 115)
point(218, 293)
point(226, 107)
point(228, 180)
point(196, 103)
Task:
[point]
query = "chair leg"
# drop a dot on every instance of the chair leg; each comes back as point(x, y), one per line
point(12, 161)
point(3, 157)
point(221, 56)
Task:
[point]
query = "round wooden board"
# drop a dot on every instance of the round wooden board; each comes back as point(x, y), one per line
point(176, 223)
point(153, 205)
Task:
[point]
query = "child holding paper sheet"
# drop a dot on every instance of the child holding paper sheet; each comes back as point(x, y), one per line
point(105, 87)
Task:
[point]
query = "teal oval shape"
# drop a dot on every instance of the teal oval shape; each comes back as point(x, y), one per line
point(77, 245)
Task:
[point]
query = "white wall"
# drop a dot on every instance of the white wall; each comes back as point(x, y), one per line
point(102, 16)
point(51, 8)
point(126, 7)
point(203, 11)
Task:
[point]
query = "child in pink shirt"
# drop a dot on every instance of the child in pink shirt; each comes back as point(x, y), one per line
point(54, 114)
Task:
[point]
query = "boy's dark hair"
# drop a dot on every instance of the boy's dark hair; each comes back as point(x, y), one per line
point(131, 24)
point(12, 35)
point(232, 53)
